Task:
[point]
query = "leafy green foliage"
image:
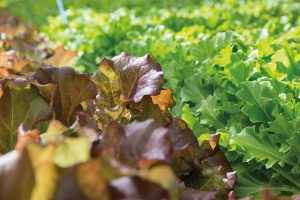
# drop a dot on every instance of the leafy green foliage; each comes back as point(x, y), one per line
point(234, 68)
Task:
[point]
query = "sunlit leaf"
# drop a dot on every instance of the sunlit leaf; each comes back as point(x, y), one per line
point(61, 57)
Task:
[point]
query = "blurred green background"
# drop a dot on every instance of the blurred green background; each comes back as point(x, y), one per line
point(37, 11)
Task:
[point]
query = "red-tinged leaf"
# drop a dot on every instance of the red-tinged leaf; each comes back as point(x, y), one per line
point(136, 188)
point(165, 99)
point(71, 90)
point(86, 121)
point(83, 181)
point(213, 155)
point(110, 103)
point(147, 110)
point(67, 187)
point(108, 84)
point(17, 178)
point(113, 168)
point(185, 162)
point(124, 79)
point(139, 76)
point(191, 194)
point(139, 143)
point(104, 114)
point(216, 171)
point(19, 103)
point(181, 135)
point(96, 146)
point(202, 167)
point(47, 90)
point(212, 177)
point(165, 177)
point(231, 179)
point(61, 57)
point(233, 196)
point(26, 136)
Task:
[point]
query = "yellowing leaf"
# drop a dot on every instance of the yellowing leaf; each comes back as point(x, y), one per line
point(91, 179)
point(55, 129)
point(162, 175)
point(72, 151)
point(45, 171)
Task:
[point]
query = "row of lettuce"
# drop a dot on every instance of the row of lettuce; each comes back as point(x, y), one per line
point(234, 68)
point(70, 135)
